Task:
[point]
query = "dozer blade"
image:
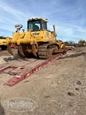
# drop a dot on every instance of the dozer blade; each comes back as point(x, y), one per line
point(9, 49)
point(20, 51)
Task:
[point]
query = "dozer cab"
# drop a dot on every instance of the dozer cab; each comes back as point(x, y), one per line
point(37, 40)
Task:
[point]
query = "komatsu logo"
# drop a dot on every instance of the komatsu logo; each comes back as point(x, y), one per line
point(36, 33)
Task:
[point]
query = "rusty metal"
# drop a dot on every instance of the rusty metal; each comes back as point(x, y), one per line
point(9, 49)
point(19, 73)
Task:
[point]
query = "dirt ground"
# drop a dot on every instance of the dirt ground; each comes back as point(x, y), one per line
point(58, 89)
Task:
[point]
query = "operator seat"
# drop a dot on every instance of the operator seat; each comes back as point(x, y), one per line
point(36, 27)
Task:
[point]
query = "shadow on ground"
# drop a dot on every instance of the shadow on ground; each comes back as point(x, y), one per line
point(2, 112)
point(16, 57)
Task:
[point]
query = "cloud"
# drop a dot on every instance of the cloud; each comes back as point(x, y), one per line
point(7, 8)
point(69, 16)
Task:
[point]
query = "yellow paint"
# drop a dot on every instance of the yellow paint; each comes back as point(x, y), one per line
point(2, 41)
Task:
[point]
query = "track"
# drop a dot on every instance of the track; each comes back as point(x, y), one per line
point(46, 51)
point(21, 69)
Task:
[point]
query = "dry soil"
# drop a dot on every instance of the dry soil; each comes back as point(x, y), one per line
point(58, 89)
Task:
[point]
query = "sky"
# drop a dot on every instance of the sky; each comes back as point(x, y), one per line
point(69, 16)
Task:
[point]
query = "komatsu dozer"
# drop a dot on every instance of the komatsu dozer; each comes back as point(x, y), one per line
point(82, 43)
point(37, 40)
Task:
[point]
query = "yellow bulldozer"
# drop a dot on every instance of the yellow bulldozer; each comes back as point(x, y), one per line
point(3, 44)
point(82, 43)
point(37, 40)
